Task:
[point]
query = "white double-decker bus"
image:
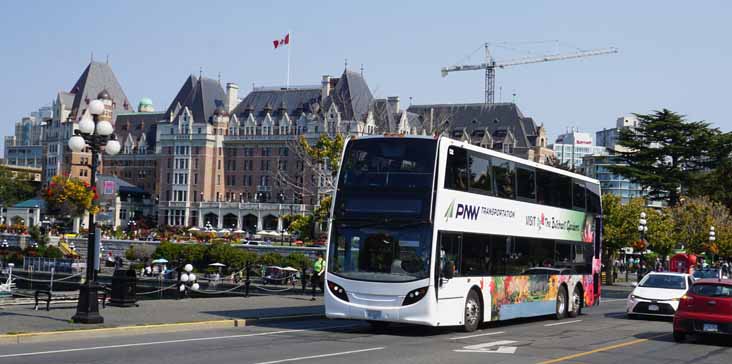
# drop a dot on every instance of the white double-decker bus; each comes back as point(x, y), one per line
point(438, 232)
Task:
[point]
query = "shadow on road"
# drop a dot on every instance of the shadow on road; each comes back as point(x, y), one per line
point(698, 339)
point(624, 316)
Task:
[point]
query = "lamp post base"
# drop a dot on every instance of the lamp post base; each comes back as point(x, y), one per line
point(87, 310)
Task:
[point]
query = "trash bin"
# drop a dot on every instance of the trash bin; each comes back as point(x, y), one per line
point(124, 288)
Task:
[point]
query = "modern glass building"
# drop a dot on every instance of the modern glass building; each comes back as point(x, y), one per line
point(570, 148)
point(598, 166)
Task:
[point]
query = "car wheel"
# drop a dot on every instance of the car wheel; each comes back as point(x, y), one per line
point(473, 312)
point(679, 336)
point(576, 303)
point(561, 307)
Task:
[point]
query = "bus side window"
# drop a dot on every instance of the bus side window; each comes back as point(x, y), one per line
point(593, 198)
point(456, 172)
point(504, 177)
point(450, 246)
point(473, 253)
point(480, 176)
point(564, 188)
point(578, 195)
point(526, 184)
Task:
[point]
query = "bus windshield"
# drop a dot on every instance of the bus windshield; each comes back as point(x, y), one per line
point(386, 176)
point(382, 254)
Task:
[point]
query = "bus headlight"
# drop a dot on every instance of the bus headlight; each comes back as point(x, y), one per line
point(338, 291)
point(414, 296)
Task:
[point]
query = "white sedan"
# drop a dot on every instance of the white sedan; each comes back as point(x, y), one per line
point(658, 294)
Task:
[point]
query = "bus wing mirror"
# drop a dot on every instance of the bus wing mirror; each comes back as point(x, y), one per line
point(447, 273)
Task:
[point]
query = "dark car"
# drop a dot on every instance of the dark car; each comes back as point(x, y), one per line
point(707, 273)
point(705, 309)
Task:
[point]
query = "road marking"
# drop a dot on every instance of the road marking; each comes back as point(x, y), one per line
point(470, 336)
point(599, 350)
point(489, 348)
point(563, 323)
point(168, 342)
point(321, 355)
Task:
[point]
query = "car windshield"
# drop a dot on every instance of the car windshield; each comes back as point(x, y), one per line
point(384, 254)
point(663, 281)
point(712, 290)
point(706, 273)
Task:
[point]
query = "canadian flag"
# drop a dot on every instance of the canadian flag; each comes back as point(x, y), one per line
point(282, 42)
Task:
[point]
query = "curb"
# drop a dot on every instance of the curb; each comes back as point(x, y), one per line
point(71, 334)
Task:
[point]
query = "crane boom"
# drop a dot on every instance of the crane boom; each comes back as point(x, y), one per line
point(556, 57)
point(490, 65)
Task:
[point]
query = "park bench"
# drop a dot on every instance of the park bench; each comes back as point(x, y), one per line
point(49, 296)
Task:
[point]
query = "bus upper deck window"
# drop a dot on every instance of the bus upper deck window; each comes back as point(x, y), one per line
point(456, 173)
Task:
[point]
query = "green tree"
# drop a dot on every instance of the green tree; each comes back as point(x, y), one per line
point(620, 223)
point(660, 237)
point(327, 151)
point(716, 181)
point(664, 150)
point(14, 188)
point(692, 220)
point(298, 260)
point(271, 259)
point(302, 226)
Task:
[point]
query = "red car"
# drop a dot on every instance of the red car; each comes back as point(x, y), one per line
point(705, 309)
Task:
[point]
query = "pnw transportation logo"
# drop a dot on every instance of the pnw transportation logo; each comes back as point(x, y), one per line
point(471, 212)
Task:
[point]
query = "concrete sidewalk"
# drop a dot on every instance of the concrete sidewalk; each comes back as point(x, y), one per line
point(24, 319)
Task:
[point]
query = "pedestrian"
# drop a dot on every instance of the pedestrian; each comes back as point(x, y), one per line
point(318, 277)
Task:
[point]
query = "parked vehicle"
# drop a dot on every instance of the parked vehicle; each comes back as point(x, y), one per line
point(705, 309)
point(658, 294)
point(708, 273)
point(279, 275)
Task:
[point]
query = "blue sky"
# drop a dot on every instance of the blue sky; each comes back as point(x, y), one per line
point(673, 54)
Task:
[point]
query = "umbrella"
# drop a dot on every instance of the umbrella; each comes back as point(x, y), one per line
point(239, 231)
point(224, 231)
point(194, 229)
point(160, 261)
point(217, 265)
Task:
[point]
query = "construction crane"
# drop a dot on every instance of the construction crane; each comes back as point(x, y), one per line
point(490, 66)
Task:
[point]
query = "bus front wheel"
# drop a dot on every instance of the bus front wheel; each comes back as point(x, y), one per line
point(473, 312)
point(561, 311)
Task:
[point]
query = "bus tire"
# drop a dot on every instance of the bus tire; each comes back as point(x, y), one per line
point(561, 306)
point(576, 302)
point(379, 325)
point(473, 312)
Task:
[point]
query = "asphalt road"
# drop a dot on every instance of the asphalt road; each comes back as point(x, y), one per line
point(601, 335)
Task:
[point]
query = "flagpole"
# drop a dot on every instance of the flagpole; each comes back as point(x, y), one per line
point(288, 60)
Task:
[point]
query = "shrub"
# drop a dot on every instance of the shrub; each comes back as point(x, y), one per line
point(52, 252)
point(271, 259)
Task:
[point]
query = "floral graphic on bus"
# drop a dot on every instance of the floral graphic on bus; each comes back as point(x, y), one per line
point(513, 296)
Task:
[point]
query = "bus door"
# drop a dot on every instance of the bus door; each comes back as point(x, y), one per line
point(450, 287)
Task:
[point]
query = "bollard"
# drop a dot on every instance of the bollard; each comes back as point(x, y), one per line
point(179, 295)
point(247, 281)
point(304, 279)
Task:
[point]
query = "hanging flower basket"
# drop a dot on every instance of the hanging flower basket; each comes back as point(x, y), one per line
point(71, 196)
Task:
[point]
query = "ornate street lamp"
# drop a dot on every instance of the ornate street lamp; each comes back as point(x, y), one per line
point(642, 228)
point(712, 238)
point(96, 133)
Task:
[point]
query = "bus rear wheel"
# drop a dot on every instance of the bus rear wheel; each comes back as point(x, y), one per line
point(561, 307)
point(576, 302)
point(473, 312)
